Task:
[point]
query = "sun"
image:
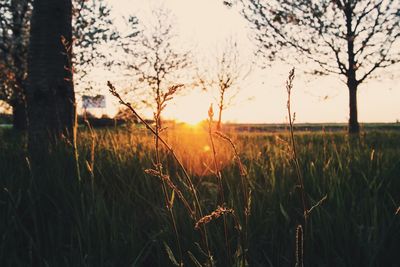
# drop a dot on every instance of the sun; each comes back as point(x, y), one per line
point(193, 121)
point(190, 109)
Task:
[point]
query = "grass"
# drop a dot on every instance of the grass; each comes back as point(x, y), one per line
point(116, 216)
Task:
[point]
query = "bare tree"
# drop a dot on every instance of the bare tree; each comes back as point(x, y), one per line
point(155, 61)
point(350, 38)
point(224, 76)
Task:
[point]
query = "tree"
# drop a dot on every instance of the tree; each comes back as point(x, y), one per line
point(155, 61)
point(50, 90)
point(350, 38)
point(224, 76)
point(92, 27)
point(14, 32)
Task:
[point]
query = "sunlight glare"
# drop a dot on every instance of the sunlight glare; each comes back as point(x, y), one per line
point(190, 109)
point(192, 122)
point(206, 148)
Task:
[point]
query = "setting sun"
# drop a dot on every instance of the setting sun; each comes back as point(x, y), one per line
point(192, 122)
point(191, 108)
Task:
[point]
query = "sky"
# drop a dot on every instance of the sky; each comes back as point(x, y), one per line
point(262, 99)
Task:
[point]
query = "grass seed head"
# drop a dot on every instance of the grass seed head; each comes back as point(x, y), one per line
point(299, 246)
point(214, 215)
point(211, 113)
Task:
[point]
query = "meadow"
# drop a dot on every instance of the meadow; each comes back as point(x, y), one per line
point(115, 213)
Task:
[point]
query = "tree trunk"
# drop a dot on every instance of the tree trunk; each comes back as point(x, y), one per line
point(354, 127)
point(352, 82)
point(50, 92)
point(20, 120)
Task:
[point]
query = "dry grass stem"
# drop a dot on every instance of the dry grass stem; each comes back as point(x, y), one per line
point(242, 168)
point(173, 187)
point(289, 87)
point(246, 193)
point(219, 178)
point(308, 212)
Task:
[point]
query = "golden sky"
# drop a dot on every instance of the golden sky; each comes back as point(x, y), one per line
point(204, 24)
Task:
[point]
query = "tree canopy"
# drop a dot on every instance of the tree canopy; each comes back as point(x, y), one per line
point(350, 38)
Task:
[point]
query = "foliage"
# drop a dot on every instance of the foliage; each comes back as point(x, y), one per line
point(14, 37)
point(326, 32)
point(92, 29)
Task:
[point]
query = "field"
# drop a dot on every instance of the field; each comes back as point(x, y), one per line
point(114, 213)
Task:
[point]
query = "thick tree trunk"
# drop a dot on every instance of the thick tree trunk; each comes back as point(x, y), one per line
point(20, 120)
point(50, 92)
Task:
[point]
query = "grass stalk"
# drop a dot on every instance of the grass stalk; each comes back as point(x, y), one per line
point(217, 172)
point(295, 158)
point(198, 210)
point(246, 196)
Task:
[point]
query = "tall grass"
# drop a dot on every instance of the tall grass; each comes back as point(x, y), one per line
point(121, 220)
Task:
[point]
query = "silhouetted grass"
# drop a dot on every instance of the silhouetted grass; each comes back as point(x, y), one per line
point(116, 215)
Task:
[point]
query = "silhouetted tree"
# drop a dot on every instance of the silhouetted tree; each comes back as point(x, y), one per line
point(224, 76)
point(351, 38)
point(154, 60)
point(91, 26)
